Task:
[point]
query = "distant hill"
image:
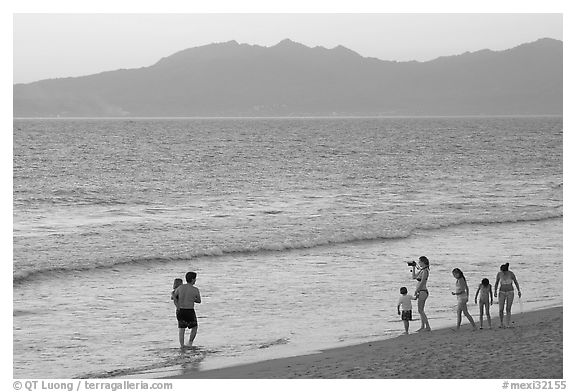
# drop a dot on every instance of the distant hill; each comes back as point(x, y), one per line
point(290, 79)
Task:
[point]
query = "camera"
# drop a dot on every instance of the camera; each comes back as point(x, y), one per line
point(411, 263)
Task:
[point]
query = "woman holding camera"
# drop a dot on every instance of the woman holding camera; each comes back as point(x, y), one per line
point(421, 292)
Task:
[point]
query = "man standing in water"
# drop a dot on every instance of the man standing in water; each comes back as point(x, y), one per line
point(186, 296)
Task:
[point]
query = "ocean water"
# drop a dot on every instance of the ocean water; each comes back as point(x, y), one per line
point(299, 230)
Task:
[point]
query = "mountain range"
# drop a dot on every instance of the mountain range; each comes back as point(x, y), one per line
point(291, 79)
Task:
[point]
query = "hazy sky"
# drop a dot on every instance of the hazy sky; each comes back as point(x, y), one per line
point(60, 45)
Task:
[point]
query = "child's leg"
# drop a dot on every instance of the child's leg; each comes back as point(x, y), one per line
point(487, 305)
point(458, 316)
point(181, 336)
point(406, 324)
point(468, 316)
point(481, 313)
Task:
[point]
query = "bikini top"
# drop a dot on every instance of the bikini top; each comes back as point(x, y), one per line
point(421, 272)
point(506, 279)
point(460, 287)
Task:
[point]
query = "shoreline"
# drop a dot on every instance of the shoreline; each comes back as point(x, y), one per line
point(533, 349)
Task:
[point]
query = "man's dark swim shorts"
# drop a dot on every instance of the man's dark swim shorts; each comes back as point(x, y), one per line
point(407, 315)
point(186, 318)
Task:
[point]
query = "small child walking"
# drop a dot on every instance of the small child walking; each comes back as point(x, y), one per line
point(486, 299)
point(405, 302)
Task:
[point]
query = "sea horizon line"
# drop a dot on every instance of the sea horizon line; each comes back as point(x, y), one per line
point(286, 117)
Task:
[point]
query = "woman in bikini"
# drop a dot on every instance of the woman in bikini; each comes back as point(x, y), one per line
point(421, 292)
point(462, 292)
point(505, 278)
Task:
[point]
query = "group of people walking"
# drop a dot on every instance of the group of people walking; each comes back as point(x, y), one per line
point(503, 290)
point(186, 295)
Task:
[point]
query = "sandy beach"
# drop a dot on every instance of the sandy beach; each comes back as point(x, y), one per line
point(532, 348)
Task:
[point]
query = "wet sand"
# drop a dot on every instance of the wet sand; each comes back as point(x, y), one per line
point(532, 349)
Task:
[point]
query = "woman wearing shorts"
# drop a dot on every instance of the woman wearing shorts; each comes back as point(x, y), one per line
point(505, 278)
